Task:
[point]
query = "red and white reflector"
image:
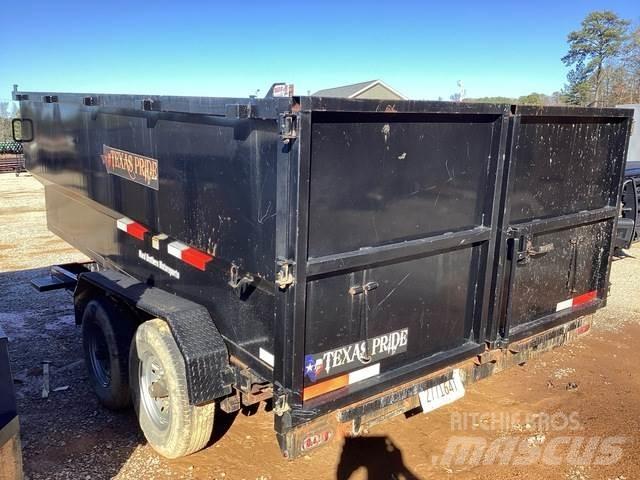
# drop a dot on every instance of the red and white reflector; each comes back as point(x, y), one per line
point(132, 228)
point(577, 301)
point(189, 255)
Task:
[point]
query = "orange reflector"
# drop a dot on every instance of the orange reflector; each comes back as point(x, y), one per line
point(325, 387)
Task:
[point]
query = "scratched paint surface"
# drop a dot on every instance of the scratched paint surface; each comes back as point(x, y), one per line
point(377, 182)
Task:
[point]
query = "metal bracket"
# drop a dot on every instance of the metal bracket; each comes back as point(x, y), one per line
point(528, 249)
point(90, 101)
point(251, 388)
point(284, 277)
point(367, 287)
point(501, 342)
point(531, 251)
point(150, 105)
point(239, 110)
point(280, 405)
point(231, 403)
point(239, 282)
point(62, 276)
point(540, 249)
point(288, 131)
point(489, 356)
point(257, 394)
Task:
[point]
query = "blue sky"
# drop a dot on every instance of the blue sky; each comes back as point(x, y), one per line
point(232, 48)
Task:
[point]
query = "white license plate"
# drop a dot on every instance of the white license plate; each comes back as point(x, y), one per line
point(442, 394)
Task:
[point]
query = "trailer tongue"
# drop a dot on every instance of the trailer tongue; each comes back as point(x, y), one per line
point(348, 260)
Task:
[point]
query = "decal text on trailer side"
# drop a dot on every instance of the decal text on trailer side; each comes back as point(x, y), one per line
point(338, 360)
point(131, 166)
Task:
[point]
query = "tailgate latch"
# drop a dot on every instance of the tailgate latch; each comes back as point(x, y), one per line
point(531, 251)
point(528, 249)
point(539, 250)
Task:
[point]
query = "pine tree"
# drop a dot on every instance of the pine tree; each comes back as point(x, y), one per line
point(599, 40)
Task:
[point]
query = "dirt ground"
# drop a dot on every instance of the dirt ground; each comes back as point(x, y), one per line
point(594, 382)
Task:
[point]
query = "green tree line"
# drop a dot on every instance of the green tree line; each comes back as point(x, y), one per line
point(604, 56)
point(604, 60)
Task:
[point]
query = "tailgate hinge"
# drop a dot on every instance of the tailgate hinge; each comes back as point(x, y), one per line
point(284, 277)
point(280, 400)
point(288, 127)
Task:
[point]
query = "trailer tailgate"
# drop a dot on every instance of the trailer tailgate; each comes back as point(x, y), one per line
point(399, 229)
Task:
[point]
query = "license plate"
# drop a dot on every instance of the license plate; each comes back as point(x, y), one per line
point(442, 394)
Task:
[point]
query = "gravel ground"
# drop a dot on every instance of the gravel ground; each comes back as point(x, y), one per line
point(70, 436)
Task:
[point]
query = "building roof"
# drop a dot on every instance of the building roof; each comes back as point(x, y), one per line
point(352, 91)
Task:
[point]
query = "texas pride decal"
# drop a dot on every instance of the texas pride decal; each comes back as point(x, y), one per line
point(137, 168)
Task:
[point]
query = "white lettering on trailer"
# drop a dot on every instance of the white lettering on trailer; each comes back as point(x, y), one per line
point(150, 259)
point(345, 358)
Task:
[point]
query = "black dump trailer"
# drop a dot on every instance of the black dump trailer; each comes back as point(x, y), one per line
point(344, 260)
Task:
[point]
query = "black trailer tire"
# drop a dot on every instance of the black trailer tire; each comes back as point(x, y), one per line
point(172, 426)
point(107, 330)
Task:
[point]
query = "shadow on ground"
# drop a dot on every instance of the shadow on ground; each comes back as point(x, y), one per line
point(378, 456)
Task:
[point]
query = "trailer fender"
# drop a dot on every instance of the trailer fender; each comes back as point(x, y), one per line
point(209, 375)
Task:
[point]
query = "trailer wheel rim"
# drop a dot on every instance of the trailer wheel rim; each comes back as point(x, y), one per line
point(99, 358)
point(153, 391)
